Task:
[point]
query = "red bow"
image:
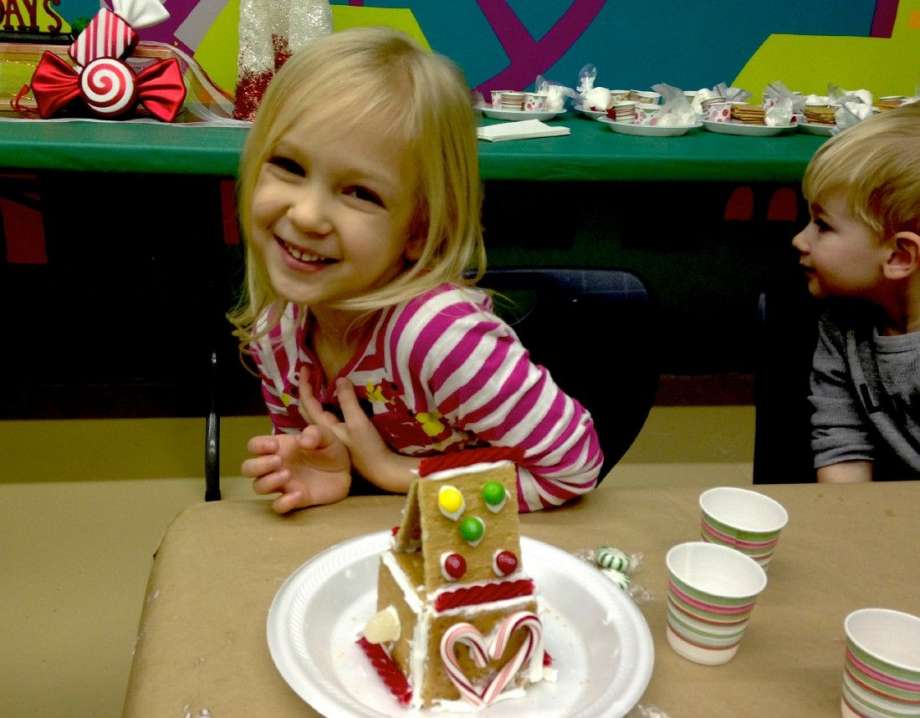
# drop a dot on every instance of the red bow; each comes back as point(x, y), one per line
point(158, 88)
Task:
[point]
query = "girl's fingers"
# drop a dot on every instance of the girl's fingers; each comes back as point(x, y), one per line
point(288, 502)
point(310, 408)
point(271, 483)
point(348, 400)
point(316, 437)
point(260, 466)
point(262, 445)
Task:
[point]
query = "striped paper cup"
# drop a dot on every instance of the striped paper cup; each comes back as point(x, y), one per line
point(881, 674)
point(745, 520)
point(711, 593)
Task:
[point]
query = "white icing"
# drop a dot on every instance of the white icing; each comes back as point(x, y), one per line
point(412, 599)
point(464, 707)
point(499, 506)
point(418, 653)
point(464, 470)
point(535, 669)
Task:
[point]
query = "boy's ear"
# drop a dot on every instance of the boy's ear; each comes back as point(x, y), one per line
point(904, 258)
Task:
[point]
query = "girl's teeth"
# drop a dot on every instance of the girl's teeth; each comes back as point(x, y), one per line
point(303, 256)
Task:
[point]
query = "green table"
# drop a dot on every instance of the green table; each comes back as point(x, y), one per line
point(591, 153)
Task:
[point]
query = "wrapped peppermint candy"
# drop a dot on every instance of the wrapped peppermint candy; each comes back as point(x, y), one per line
point(612, 558)
point(107, 86)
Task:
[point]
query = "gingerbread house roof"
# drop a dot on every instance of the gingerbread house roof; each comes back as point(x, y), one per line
point(461, 515)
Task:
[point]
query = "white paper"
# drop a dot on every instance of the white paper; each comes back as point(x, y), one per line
point(521, 130)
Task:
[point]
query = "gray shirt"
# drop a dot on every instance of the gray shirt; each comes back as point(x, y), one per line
point(865, 389)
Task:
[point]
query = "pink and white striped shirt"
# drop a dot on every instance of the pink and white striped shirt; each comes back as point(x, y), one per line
point(442, 372)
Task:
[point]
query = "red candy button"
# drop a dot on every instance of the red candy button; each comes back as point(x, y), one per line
point(505, 563)
point(454, 566)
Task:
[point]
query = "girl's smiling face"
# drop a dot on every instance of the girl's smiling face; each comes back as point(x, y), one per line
point(840, 255)
point(332, 213)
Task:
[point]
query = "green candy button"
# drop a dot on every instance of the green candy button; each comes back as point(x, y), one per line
point(471, 529)
point(493, 492)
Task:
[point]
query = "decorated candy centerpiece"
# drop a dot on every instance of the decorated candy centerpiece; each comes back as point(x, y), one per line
point(100, 79)
point(457, 617)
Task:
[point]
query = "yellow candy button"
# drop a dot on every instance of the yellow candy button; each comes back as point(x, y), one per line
point(450, 501)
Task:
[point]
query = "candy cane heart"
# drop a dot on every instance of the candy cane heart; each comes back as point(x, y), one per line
point(469, 635)
point(530, 650)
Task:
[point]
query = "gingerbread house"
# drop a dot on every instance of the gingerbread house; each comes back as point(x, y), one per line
point(457, 616)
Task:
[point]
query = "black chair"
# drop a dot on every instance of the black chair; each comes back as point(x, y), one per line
point(594, 329)
point(787, 318)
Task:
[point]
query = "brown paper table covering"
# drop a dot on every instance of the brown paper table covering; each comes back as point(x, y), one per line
point(202, 637)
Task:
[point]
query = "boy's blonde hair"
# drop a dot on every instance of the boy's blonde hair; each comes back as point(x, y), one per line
point(377, 76)
point(876, 164)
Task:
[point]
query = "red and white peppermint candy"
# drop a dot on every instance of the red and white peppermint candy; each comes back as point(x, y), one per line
point(108, 87)
point(106, 35)
point(531, 652)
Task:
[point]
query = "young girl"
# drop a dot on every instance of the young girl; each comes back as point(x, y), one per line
point(360, 201)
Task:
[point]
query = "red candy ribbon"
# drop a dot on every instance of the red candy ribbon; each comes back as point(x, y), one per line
point(108, 87)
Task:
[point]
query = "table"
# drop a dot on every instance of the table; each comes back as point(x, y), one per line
point(591, 153)
point(202, 637)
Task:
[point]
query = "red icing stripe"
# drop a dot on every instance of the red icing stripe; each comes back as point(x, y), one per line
point(472, 595)
point(387, 669)
point(457, 459)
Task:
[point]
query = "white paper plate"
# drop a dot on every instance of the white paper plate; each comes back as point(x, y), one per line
point(593, 114)
point(628, 128)
point(817, 128)
point(739, 128)
point(495, 114)
point(600, 643)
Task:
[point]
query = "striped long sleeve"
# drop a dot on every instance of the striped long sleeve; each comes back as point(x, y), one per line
point(451, 354)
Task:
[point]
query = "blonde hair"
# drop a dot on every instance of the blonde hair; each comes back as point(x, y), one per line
point(876, 163)
point(378, 76)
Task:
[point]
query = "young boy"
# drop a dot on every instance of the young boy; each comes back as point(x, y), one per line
point(862, 251)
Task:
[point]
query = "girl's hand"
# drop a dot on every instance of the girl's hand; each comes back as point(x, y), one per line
point(370, 455)
point(307, 469)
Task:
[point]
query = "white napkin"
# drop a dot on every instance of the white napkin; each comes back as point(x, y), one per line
point(521, 130)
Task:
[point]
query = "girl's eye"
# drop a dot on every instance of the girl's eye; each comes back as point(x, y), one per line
point(821, 225)
point(364, 194)
point(288, 165)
